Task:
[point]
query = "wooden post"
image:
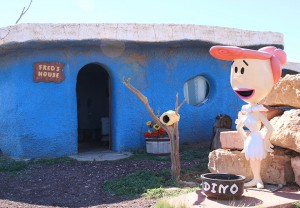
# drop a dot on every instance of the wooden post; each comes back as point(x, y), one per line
point(172, 130)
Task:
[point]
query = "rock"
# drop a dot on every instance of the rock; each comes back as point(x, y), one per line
point(276, 168)
point(296, 168)
point(231, 140)
point(272, 112)
point(285, 93)
point(286, 130)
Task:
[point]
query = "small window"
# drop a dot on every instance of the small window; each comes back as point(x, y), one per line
point(196, 90)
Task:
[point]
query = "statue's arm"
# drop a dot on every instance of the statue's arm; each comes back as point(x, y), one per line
point(240, 129)
point(270, 129)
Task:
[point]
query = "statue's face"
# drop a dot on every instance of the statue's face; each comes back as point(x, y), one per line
point(251, 79)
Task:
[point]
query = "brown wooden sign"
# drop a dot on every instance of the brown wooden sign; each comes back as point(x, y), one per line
point(48, 72)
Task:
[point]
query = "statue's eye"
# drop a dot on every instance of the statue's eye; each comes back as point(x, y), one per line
point(242, 70)
point(235, 69)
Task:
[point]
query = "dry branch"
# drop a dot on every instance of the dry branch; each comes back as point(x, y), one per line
point(172, 130)
point(181, 104)
point(24, 11)
point(145, 101)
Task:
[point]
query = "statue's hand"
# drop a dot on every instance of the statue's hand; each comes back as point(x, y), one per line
point(268, 146)
point(239, 119)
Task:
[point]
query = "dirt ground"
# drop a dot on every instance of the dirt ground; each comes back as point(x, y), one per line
point(75, 184)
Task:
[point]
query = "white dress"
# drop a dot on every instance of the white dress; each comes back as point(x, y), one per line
point(254, 147)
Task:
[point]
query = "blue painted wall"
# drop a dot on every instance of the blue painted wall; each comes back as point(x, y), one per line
point(40, 119)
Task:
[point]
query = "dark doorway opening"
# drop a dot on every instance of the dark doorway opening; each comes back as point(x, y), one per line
point(93, 108)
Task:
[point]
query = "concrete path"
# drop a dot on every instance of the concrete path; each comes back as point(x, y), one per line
point(252, 197)
point(100, 155)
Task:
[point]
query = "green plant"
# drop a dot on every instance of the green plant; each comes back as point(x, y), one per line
point(51, 161)
point(192, 189)
point(141, 154)
point(155, 193)
point(194, 173)
point(138, 183)
point(165, 204)
point(188, 152)
point(146, 184)
point(9, 165)
point(296, 205)
point(167, 192)
point(162, 204)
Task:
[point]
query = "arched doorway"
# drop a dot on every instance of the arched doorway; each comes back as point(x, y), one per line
point(93, 107)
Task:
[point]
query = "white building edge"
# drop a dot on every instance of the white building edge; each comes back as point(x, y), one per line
point(136, 32)
point(23, 34)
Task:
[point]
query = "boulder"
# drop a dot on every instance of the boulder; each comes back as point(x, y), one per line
point(272, 112)
point(286, 130)
point(231, 140)
point(276, 167)
point(295, 161)
point(285, 93)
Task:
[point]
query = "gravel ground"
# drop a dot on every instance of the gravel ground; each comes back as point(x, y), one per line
point(75, 184)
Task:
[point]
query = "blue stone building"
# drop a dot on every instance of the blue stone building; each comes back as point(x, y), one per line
point(48, 118)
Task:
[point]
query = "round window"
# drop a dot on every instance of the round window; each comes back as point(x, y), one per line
point(196, 90)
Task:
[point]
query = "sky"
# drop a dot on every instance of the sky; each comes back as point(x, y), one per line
point(257, 15)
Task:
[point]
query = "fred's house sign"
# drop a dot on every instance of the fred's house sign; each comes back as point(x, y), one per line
point(48, 72)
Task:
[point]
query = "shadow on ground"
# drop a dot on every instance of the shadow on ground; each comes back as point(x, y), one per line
point(80, 184)
point(75, 184)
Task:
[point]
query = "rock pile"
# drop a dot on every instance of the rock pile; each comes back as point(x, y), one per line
point(285, 93)
point(282, 165)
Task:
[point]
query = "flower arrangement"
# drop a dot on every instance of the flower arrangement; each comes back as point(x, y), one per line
point(155, 131)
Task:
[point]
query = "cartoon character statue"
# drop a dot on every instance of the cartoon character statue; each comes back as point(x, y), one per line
point(253, 74)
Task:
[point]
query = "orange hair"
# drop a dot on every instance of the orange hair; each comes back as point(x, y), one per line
point(277, 56)
point(278, 60)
